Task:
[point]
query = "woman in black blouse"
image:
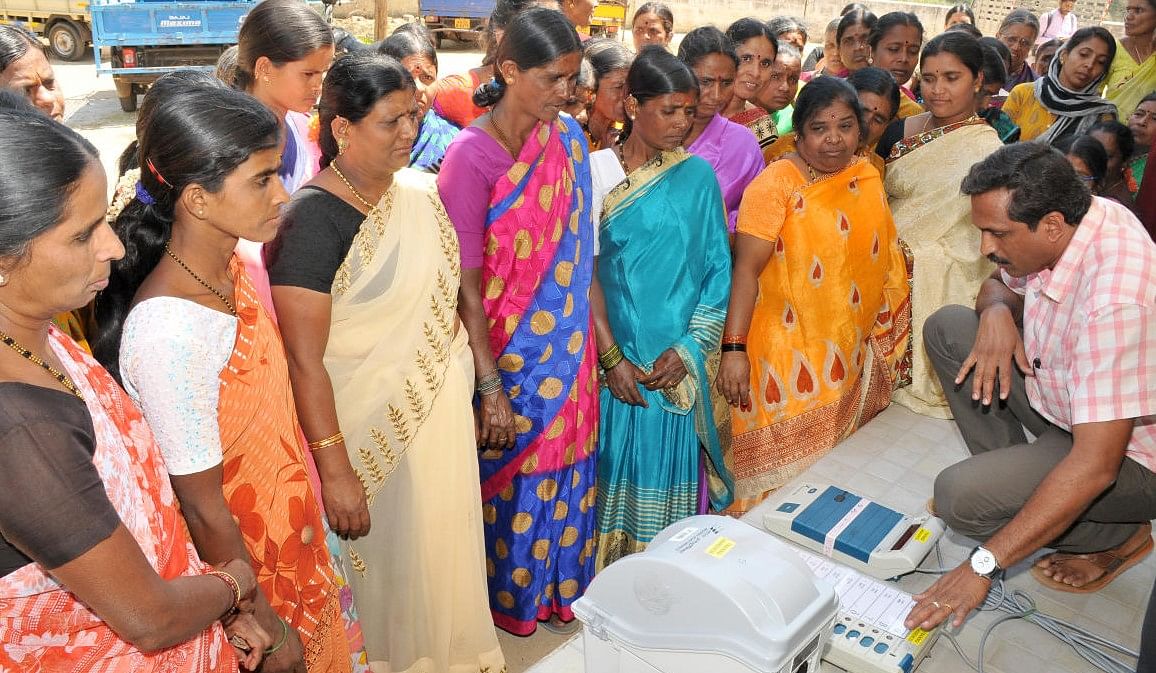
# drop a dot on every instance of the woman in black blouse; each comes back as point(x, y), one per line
point(96, 569)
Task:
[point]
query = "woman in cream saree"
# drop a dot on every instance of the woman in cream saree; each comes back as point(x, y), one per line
point(938, 239)
point(403, 379)
point(365, 274)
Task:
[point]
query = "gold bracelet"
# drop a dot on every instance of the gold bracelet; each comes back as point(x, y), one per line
point(327, 442)
point(232, 583)
point(489, 384)
point(611, 358)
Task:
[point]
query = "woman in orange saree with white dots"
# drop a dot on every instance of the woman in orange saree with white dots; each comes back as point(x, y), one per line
point(830, 324)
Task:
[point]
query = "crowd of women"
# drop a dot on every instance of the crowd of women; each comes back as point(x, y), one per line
point(248, 406)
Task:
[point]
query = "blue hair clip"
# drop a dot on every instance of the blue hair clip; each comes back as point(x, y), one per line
point(143, 195)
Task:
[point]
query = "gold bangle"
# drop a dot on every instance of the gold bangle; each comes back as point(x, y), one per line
point(489, 384)
point(328, 441)
point(611, 358)
point(232, 583)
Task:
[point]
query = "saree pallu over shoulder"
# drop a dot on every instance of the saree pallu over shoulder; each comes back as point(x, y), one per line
point(939, 242)
point(662, 245)
point(536, 277)
point(830, 325)
point(1128, 82)
point(402, 377)
point(400, 372)
point(43, 627)
point(267, 488)
point(914, 142)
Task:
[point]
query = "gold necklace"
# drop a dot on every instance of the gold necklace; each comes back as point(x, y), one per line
point(1134, 52)
point(620, 152)
point(501, 135)
point(813, 174)
point(220, 295)
point(34, 359)
point(356, 194)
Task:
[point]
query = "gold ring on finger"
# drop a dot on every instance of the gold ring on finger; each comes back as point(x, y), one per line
point(936, 604)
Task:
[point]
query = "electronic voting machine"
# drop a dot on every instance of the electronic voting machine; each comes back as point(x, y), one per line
point(855, 531)
point(710, 594)
point(869, 635)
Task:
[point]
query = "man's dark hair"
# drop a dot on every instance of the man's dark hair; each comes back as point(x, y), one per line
point(1039, 178)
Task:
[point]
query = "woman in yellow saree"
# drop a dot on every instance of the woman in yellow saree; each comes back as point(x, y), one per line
point(1132, 74)
point(816, 324)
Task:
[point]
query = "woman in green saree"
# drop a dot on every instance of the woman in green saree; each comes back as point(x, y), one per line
point(663, 244)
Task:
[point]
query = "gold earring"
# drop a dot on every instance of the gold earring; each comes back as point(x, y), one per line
point(3, 281)
point(342, 143)
point(200, 213)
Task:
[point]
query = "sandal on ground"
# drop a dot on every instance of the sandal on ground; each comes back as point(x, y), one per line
point(556, 626)
point(1112, 562)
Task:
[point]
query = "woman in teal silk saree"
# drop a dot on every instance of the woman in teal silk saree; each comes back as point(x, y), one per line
point(664, 274)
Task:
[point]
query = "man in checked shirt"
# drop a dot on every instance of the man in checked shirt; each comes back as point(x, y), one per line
point(1062, 341)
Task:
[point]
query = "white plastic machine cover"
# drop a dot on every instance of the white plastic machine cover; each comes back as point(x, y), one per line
point(710, 593)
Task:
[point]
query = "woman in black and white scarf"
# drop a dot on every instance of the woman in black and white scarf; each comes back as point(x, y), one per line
point(1066, 101)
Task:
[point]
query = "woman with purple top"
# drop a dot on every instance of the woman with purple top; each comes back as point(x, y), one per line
point(1019, 31)
point(730, 148)
point(517, 187)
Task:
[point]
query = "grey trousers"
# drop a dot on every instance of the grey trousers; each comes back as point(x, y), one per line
point(981, 494)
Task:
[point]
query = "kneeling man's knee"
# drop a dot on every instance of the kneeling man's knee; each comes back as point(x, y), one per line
point(959, 497)
point(950, 331)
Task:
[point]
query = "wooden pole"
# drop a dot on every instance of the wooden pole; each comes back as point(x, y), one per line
point(380, 19)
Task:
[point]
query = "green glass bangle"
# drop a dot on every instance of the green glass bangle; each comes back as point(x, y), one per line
point(284, 638)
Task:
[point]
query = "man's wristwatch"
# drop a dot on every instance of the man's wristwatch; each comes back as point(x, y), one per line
point(983, 563)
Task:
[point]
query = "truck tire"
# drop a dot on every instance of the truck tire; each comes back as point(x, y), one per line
point(65, 42)
point(128, 103)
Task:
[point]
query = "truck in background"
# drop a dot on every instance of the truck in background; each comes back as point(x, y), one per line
point(137, 42)
point(64, 23)
point(134, 41)
point(608, 19)
point(465, 20)
point(461, 20)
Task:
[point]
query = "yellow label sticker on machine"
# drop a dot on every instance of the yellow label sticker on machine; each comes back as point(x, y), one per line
point(720, 547)
point(922, 535)
point(917, 636)
point(462, 24)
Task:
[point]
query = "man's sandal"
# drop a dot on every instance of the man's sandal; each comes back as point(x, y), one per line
point(1113, 562)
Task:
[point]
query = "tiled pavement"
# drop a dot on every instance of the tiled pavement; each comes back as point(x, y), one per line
point(894, 460)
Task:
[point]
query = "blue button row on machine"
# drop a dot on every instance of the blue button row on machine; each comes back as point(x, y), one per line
point(867, 641)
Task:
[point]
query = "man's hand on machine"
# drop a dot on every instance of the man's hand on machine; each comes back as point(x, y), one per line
point(955, 594)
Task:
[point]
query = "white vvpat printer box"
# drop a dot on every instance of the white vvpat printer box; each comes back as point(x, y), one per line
point(710, 593)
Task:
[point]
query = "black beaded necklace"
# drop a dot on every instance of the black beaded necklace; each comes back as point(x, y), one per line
point(35, 359)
